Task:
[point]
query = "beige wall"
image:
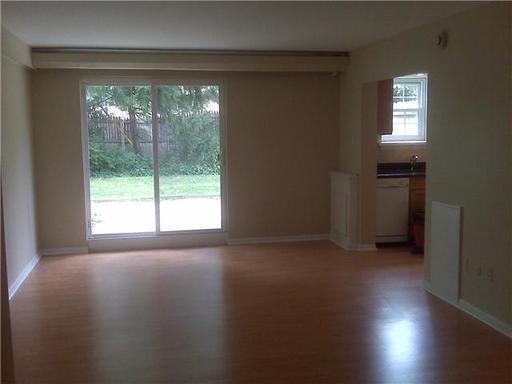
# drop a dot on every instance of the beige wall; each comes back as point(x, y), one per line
point(369, 126)
point(400, 154)
point(469, 135)
point(15, 49)
point(282, 144)
point(17, 169)
point(282, 141)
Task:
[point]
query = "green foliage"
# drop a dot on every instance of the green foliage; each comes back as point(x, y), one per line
point(191, 131)
point(111, 160)
point(135, 99)
point(197, 146)
point(404, 91)
point(182, 100)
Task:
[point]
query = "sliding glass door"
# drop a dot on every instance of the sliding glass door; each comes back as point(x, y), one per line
point(120, 148)
point(189, 157)
point(153, 158)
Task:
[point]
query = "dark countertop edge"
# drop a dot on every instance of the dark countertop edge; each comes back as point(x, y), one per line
point(400, 174)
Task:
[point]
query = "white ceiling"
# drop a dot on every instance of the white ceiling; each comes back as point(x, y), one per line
point(282, 26)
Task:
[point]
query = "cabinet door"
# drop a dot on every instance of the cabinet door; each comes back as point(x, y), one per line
point(417, 182)
point(416, 200)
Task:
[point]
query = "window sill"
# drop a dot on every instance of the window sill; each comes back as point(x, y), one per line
point(138, 241)
point(402, 144)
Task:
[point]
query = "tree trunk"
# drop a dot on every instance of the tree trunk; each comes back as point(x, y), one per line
point(135, 130)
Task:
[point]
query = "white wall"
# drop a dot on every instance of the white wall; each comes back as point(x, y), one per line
point(469, 136)
point(17, 167)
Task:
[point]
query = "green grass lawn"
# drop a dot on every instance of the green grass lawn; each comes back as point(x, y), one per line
point(141, 187)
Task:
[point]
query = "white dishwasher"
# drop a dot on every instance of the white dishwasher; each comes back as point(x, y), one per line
point(392, 210)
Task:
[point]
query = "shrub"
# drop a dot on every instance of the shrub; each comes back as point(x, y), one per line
point(111, 160)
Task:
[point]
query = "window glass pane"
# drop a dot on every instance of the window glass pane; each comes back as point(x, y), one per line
point(398, 123)
point(405, 123)
point(411, 92)
point(409, 95)
point(120, 159)
point(411, 124)
point(398, 93)
point(189, 157)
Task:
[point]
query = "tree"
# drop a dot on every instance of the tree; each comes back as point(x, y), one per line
point(184, 113)
point(134, 100)
point(400, 91)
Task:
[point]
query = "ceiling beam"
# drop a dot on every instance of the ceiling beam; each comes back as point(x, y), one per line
point(259, 61)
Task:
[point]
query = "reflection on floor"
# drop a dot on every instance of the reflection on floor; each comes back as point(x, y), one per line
point(280, 313)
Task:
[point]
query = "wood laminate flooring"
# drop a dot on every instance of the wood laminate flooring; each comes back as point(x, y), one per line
point(278, 313)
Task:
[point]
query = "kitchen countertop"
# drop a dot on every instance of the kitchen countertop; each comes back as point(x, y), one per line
point(400, 169)
point(401, 174)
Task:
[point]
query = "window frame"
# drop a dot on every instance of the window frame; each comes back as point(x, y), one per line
point(421, 138)
point(153, 82)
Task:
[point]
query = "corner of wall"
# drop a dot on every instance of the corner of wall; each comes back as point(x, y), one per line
point(17, 162)
point(15, 49)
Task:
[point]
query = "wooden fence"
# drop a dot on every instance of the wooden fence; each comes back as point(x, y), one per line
point(116, 130)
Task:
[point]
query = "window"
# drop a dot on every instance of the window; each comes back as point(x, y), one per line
point(153, 158)
point(409, 110)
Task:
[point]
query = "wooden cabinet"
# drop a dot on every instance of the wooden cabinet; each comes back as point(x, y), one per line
point(416, 200)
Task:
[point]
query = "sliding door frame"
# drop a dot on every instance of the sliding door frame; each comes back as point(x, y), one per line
point(154, 83)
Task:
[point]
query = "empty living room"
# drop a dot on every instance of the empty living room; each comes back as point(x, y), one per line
point(256, 192)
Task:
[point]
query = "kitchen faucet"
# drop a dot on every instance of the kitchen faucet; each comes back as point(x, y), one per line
point(414, 159)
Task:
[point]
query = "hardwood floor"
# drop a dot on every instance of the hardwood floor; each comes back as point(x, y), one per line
point(281, 313)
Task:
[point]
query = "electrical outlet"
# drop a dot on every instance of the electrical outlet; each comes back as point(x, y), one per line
point(490, 274)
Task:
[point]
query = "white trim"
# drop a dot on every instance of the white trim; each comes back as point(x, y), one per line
point(427, 286)
point(154, 82)
point(277, 239)
point(445, 250)
point(351, 247)
point(15, 49)
point(13, 288)
point(155, 132)
point(422, 80)
point(64, 251)
point(391, 239)
point(476, 312)
point(223, 131)
point(484, 317)
point(340, 241)
point(345, 209)
point(190, 61)
point(402, 144)
point(163, 240)
point(366, 247)
point(85, 158)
